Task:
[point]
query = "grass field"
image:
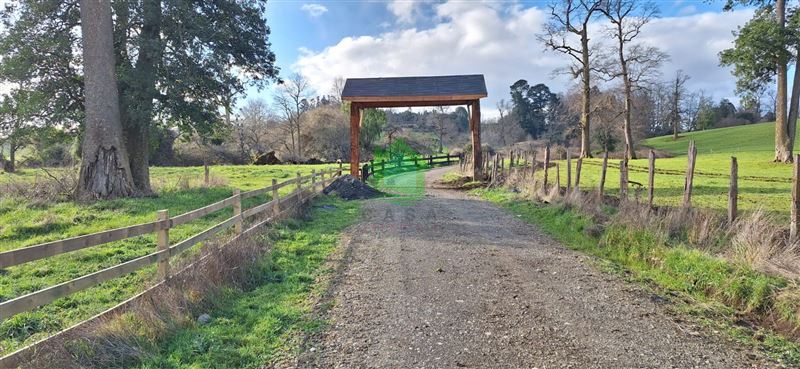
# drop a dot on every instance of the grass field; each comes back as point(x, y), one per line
point(24, 223)
point(262, 326)
point(762, 183)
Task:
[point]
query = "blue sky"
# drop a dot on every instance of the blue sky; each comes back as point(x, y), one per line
point(326, 39)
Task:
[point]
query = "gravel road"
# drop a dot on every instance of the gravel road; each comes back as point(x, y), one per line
point(454, 282)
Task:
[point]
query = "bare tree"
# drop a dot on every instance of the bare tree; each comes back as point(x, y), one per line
point(105, 169)
point(503, 107)
point(442, 122)
point(337, 88)
point(292, 100)
point(677, 90)
point(253, 129)
point(569, 18)
point(636, 63)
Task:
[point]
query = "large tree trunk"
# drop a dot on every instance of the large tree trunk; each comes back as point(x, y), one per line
point(139, 107)
point(783, 141)
point(586, 149)
point(794, 105)
point(105, 171)
point(626, 125)
point(10, 166)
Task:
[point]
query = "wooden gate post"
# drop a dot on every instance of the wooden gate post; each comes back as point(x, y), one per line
point(603, 169)
point(558, 179)
point(276, 201)
point(733, 191)
point(687, 185)
point(314, 180)
point(546, 165)
point(569, 172)
point(793, 227)
point(578, 166)
point(237, 211)
point(651, 176)
point(623, 179)
point(162, 240)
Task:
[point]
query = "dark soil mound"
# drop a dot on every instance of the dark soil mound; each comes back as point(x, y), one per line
point(350, 188)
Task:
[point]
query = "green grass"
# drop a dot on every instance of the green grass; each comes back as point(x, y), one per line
point(762, 183)
point(256, 328)
point(713, 290)
point(24, 224)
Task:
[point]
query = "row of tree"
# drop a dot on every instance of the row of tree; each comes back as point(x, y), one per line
point(112, 70)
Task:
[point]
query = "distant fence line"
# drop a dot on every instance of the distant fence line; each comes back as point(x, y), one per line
point(307, 187)
point(373, 167)
point(492, 168)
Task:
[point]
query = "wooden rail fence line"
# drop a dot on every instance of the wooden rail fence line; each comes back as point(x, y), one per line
point(163, 252)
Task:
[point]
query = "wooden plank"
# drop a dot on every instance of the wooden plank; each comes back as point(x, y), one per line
point(430, 100)
point(733, 190)
point(795, 212)
point(202, 236)
point(162, 244)
point(687, 184)
point(651, 176)
point(603, 170)
point(194, 214)
point(41, 251)
point(32, 300)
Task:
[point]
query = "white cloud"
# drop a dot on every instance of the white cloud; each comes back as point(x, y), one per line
point(499, 42)
point(314, 10)
point(406, 11)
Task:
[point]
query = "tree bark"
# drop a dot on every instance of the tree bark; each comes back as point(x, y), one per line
point(626, 125)
point(794, 104)
point(138, 112)
point(10, 166)
point(783, 140)
point(586, 150)
point(105, 170)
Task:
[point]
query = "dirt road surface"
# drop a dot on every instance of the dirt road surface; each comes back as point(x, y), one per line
point(453, 282)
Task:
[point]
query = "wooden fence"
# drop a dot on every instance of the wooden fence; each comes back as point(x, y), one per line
point(525, 162)
point(306, 187)
point(373, 167)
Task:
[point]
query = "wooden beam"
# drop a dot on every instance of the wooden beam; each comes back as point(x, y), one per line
point(412, 104)
point(355, 127)
point(475, 126)
point(413, 99)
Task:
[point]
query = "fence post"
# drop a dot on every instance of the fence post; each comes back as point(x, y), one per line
point(546, 165)
point(578, 166)
point(237, 210)
point(511, 159)
point(206, 175)
point(533, 163)
point(313, 181)
point(603, 169)
point(162, 240)
point(322, 180)
point(340, 167)
point(276, 201)
point(733, 191)
point(558, 179)
point(623, 179)
point(795, 198)
point(430, 160)
point(448, 159)
point(687, 186)
point(651, 177)
point(300, 188)
point(569, 172)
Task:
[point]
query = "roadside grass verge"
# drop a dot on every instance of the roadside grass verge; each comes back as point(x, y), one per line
point(25, 222)
point(729, 295)
point(261, 326)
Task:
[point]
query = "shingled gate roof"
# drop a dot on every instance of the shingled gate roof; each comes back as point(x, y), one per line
point(415, 89)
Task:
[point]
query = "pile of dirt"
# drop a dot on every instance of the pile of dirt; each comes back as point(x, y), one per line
point(350, 188)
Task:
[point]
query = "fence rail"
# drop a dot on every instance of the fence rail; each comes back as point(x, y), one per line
point(163, 250)
point(369, 169)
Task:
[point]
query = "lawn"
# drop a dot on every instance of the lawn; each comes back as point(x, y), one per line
point(24, 223)
point(762, 183)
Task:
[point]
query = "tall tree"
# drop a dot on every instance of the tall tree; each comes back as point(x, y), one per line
point(105, 172)
point(373, 122)
point(571, 18)
point(292, 101)
point(761, 54)
point(174, 58)
point(677, 90)
point(634, 62)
